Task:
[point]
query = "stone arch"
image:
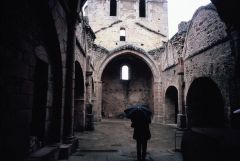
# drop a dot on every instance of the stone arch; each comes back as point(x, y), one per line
point(138, 53)
point(79, 101)
point(118, 93)
point(205, 105)
point(79, 81)
point(171, 105)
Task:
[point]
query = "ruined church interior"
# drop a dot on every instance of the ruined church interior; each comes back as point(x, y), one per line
point(69, 69)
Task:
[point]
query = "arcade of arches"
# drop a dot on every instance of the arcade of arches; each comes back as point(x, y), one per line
point(55, 80)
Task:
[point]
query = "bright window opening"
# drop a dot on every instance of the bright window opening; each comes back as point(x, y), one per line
point(122, 34)
point(125, 73)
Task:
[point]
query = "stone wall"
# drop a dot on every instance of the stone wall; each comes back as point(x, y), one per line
point(23, 47)
point(84, 85)
point(207, 53)
point(204, 44)
point(145, 32)
point(32, 75)
point(34, 46)
point(118, 94)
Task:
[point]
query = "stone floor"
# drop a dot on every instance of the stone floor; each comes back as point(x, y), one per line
point(112, 141)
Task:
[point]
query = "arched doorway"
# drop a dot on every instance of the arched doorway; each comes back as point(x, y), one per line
point(120, 90)
point(171, 105)
point(205, 107)
point(79, 110)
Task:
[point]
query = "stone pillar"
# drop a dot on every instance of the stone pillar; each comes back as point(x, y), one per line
point(88, 86)
point(69, 94)
point(69, 78)
point(89, 117)
point(98, 103)
point(157, 103)
point(181, 117)
point(88, 113)
point(79, 114)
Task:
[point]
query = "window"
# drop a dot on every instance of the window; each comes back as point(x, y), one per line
point(122, 34)
point(113, 8)
point(125, 72)
point(142, 8)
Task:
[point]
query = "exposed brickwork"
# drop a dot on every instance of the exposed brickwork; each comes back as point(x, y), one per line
point(36, 42)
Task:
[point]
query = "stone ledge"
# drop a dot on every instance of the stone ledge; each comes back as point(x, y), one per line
point(65, 151)
point(45, 154)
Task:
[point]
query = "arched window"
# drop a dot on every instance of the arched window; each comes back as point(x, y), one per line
point(142, 8)
point(125, 72)
point(113, 8)
point(122, 34)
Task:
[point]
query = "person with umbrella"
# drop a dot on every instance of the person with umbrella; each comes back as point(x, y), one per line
point(140, 115)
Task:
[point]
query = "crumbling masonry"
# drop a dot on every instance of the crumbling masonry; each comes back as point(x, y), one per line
point(59, 71)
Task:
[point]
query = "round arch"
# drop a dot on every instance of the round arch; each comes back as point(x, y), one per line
point(142, 55)
point(79, 103)
point(205, 106)
point(171, 105)
point(146, 59)
point(79, 81)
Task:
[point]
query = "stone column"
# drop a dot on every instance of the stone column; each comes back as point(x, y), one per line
point(98, 103)
point(88, 83)
point(88, 112)
point(157, 102)
point(88, 86)
point(181, 117)
point(69, 78)
point(79, 114)
point(69, 93)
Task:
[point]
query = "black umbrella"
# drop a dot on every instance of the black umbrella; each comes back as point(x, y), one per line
point(134, 110)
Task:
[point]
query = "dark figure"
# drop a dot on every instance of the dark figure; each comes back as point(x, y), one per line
point(141, 134)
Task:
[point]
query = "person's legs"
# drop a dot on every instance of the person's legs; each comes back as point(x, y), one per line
point(139, 145)
point(144, 149)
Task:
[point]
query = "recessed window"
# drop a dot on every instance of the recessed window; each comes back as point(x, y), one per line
point(122, 34)
point(113, 8)
point(125, 72)
point(142, 8)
